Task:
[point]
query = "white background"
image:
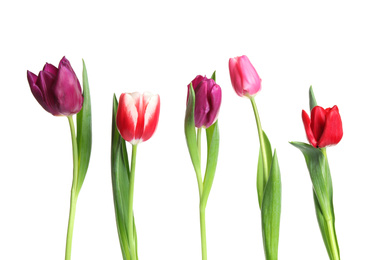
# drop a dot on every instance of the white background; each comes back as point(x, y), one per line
point(342, 48)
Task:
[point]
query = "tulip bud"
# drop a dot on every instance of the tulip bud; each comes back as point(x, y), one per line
point(208, 98)
point(324, 128)
point(244, 78)
point(58, 91)
point(137, 116)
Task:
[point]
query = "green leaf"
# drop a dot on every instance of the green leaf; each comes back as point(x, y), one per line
point(318, 167)
point(84, 132)
point(213, 77)
point(322, 224)
point(189, 129)
point(312, 98)
point(261, 176)
point(212, 134)
point(120, 175)
point(270, 213)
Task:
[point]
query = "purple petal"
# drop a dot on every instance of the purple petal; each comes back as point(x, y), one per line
point(201, 104)
point(51, 69)
point(214, 100)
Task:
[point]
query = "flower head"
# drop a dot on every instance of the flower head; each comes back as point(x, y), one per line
point(244, 78)
point(58, 91)
point(324, 128)
point(137, 116)
point(208, 98)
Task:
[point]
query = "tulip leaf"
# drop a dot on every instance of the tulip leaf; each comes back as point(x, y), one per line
point(213, 77)
point(261, 175)
point(84, 132)
point(270, 213)
point(322, 224)
point(318, 167)
point(212, 134)
point(189, 129)
point(120, 175)
point(312, 98)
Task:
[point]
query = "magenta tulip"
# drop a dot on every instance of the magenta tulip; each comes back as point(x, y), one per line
point(244, 78)
point(208, 98)
point(58, 91)
point(137, 116)
point(324, 128)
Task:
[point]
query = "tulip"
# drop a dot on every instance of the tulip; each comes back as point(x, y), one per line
point(324, 128)
point(58, 91)
point(137, 116)
point(208, 98)
point(244, 78)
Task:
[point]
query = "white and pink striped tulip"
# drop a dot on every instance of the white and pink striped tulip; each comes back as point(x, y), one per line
point(137, 116)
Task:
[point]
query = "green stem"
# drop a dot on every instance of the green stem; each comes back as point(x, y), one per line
point(73, 196)
point(131, 196)
point(202, 211)
point(198, 172)
point(261, 139)
point(332, 238)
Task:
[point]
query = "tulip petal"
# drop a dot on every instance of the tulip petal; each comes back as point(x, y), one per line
point(235, 76)
point(317, 121)
point(127, 116)
point(67, 90)
point(309, 132)
point(32, 78)
point(214, 100)
point(202, 106)
point(251, 82)
point(333, 129)
point(51, 69)
point(152, 113)
point(44, 82)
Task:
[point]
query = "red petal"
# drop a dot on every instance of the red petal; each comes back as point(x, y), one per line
point(309, 132)
point(317, 121)
point(126, 117)
point(152, 113)
point(333, 130)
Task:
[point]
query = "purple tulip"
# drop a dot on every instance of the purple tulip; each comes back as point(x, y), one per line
point(58, 91)
point(208, 98)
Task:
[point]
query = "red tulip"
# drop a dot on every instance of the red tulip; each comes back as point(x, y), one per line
point(324, 128)
point(137, 116)
point(58, 91)
point(244, 78)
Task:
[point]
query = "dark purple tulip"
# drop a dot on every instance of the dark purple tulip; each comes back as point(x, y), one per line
point(208, 98)
point(57, 90)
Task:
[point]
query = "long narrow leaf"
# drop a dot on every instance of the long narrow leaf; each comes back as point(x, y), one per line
point(189, 129)
point(261, 181)
point(322, 224)
point(84, 131)
point(312, 98)
point(270, 213)
point(212, 134)
point(120, 175)
point(317, 166)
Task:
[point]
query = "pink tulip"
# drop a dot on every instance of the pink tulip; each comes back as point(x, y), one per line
point(244, 78)
point(137, 116)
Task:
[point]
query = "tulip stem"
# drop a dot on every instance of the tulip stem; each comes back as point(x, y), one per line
point(332, 237)
point(262, 144)
point(202, 211)
point(131, 196)
point(198, 173)
point(73, 196)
